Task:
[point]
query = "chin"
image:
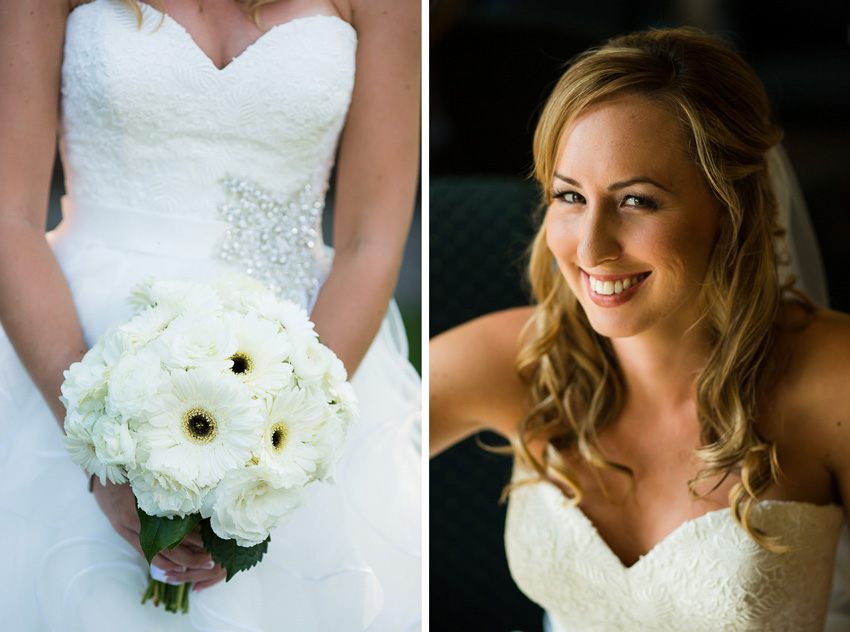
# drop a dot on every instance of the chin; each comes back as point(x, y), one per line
point(614, 327)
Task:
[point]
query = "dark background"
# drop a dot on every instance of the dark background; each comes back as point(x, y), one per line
point(492, 64)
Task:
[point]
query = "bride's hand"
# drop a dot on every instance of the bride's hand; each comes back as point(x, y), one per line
point(188, 562)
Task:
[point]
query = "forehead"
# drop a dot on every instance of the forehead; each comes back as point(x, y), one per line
point(625, 137)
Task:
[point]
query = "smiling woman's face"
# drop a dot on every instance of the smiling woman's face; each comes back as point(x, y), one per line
point(631, 223)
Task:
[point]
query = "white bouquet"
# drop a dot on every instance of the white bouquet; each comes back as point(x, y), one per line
point(218, 404)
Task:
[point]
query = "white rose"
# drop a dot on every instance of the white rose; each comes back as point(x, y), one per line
point(195, 340)
point(311, 361)
point(161, 495)
point(200, 299)
point(135, 384)
point(249, 503)
point(329, 442)
point(346, 403)
point(113, 442)
point(115, 345)
point(83, 380)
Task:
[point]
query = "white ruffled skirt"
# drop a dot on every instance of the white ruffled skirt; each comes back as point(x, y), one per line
point(348, 560)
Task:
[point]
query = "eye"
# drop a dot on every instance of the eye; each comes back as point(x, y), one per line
point(634, 201)
point(569, 197)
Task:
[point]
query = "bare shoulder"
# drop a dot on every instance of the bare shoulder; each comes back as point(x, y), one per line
point(473, 383)
point(488, 345)
point(813, 393)
point(381, 12)
point(818, 353)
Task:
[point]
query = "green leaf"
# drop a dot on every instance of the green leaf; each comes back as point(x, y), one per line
point(232, 557)
point(158, 533)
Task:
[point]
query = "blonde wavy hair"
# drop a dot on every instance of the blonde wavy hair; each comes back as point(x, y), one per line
point(252, 8)
point(575, 381)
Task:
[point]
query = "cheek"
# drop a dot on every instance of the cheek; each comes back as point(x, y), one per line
point(560, 237)
point(681, 248)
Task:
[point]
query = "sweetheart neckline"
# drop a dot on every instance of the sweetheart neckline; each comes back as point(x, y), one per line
point(694, 522)
point(168, 19)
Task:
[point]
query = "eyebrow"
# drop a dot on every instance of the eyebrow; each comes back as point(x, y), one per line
point(618, 185)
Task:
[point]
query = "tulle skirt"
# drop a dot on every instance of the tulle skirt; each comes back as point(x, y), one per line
point(348, 560)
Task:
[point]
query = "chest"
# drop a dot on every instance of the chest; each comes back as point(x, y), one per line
point(633, 514)
point(222, 30)
point(705, 575)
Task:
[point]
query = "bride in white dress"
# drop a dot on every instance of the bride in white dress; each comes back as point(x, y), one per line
point(680, 425)
point(198, 140)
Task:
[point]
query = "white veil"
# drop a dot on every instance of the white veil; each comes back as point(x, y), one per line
point(806, 264)
point(805, 260)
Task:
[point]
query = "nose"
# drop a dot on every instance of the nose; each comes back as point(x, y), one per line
point(598, 240)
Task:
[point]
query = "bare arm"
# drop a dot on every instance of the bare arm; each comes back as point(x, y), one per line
point(376, 183)
point(473, 385)
point(824, 400)
point(807, 411)
point(35, 304)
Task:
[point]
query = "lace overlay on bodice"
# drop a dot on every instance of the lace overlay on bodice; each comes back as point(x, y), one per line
point(151, 126)
point(707, 575)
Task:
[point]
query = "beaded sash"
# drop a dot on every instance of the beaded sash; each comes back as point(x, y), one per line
point(273, 239)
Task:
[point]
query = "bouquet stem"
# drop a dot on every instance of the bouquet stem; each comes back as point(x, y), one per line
point(173, 598)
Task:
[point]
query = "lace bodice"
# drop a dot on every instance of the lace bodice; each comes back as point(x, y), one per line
point(707, 575)
point(151, 128)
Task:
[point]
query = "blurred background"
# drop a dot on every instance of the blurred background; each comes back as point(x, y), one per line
point(492, 64)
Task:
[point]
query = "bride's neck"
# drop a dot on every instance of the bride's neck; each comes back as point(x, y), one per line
point(662, 371)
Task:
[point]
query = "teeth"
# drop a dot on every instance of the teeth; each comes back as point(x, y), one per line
point(607, 288)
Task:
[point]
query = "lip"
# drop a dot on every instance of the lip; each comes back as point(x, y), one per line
point(614, 300)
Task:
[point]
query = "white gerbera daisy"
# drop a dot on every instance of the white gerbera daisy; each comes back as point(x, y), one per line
point(184, 296)
point(293, 425)
point(262, 351)
point(205, 427)
point(239, 292)
point(81, 447)
point(293, 318)
point(160, 495)
point(150, 293)
point(149, 323)
point(250, 502)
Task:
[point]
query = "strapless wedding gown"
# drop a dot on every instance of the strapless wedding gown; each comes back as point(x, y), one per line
point(178, 169)
point(706, 576)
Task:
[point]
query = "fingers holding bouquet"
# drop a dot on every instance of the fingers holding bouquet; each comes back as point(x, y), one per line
point(188, 562)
